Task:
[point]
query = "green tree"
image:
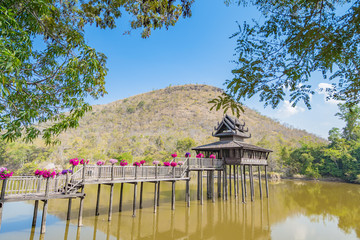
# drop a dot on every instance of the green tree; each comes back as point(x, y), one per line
point(351, 116)
point(293, 40)
point(185, 144)
point(39, 82)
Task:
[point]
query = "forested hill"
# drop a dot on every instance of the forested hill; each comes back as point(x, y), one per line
point(154, 124)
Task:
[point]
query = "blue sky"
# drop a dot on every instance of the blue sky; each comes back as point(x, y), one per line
point(196, 50)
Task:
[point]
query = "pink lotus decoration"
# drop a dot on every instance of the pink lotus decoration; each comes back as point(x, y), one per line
point(212, 156)
point(174, 155)
point(100, 163)
point(84, 161)
point(173, 164)
point(38, 172)
point(200, 155)
point(4, 173)
point(187, 155)
point(180, 163)
point(136, 164)
point(142, 162)
point(166, 164)
point(45, 173)
point(74, 162)
point(123, 163)
point(156, 162)
point(113, 161)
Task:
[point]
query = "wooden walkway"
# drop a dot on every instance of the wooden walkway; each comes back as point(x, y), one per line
point(25, 188)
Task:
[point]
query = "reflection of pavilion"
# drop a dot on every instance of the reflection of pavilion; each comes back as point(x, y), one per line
point(236, 155)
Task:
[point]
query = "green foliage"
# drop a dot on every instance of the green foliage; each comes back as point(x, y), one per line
point(293, 40)
point(185, 144)
point(340, 158)
point(125, 156)
point(39, 83)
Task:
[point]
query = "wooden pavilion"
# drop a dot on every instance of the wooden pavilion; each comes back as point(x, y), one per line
point(236, 155)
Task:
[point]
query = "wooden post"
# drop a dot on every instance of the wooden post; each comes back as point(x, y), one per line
point(237, 180)
point(68, 216)
point(112, 172)
point(155, 196)
point(208, 189)
point(260, 187)
point(245, 181)
point(266, 182)
point(219, 183)
point(201, 188)
point(213, 185)
point(43, 219)
point(81, 207)
point(2, 198)
point(158, 195)
point(36, 206)
point(141, 195)
point(173, 195)
point(136, 171)
point(251, 183)
point(134, 200)
point(83, 172)
point(226, 183)
point(235, 187)
point(98, 200)
point(111, 200)
point(121, 197)
point(66, 183)
point(242, 185)
point(156, 171)
point(188, 193)
point(198, 186)
point(230, 180)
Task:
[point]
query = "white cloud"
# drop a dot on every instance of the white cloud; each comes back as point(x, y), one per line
point(322, 90)
point(286, 110)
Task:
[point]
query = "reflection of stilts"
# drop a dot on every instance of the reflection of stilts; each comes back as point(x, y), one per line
point(95, 228)
point(118, 227)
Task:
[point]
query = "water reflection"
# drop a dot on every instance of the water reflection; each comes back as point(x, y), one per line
point(302, 210)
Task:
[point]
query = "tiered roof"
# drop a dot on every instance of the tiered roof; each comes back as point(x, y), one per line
point(232, 134)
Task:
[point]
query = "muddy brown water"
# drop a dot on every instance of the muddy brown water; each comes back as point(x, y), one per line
point(294, 210)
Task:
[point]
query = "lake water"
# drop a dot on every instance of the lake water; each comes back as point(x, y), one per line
point(294, 210)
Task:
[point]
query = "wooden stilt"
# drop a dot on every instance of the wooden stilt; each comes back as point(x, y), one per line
point(260, 187)
point(81, 207)
point(173, 195)
point(43, 219)
point(245, 181)
point(111, 201)
point(141, 195)
point(134, 200)
point(68, 216)
point(121, 196)
point(98, 200)
point(198, 186)
point(36, 206)
point(158, 195)
point(235, 187)
point(208, 188)
point(230, 181)
point(251, 183)
point(237, 180)
point(188, 193)
point(155, 196)
point(266, 182)
point(219, 183)
point(242, 185)
point(1, 211)
point(201, 188)
point(226, 183)
point(213, 185)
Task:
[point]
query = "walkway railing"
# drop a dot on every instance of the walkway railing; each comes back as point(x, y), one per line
point(22, 185)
